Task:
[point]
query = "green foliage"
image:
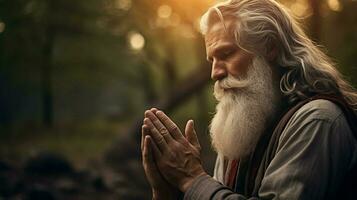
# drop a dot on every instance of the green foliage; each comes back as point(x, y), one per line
point(83, 49)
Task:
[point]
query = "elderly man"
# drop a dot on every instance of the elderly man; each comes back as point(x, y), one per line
point(285, 123)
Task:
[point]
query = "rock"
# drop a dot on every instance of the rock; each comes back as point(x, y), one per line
point(37, 192)
point(44, 164)
point(66, 185)
point(11, 181)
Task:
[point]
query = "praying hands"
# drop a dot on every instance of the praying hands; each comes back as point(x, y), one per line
point(171, 160)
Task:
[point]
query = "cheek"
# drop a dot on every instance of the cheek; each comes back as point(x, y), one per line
point(239, 65)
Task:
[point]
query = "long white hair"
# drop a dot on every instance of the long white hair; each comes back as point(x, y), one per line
point(265, 26)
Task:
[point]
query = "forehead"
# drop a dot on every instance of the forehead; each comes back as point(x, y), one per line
point(218, 34)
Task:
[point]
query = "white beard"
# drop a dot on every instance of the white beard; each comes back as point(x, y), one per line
point(244, 110)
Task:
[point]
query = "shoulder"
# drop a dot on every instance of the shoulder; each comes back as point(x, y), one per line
point(318, 118)
point(319, 109)
point(314, 151)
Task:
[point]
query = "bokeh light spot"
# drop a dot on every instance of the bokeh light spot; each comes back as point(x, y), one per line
point(164, 11)
point(334, 5)
point(136, 40)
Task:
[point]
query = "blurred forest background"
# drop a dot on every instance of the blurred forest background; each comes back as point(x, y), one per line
point(76, 77)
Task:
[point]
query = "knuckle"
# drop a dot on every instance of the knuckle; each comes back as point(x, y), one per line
point(156, 120)
point(167, 121)
point(163, 131)
point(146, 113)
point(146, 121)
point(174, 128)
point(160, 140)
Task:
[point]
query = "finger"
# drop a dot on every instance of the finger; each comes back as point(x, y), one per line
point(148, 160)
point(145, 152)
point(149, 154)
point(191, 134)
point(145, 130)
point(154, 110)
point(169, 124)
point(142, 138)
point(153, 149)
point(154, 133)
point(148, 150)
point(159, 126)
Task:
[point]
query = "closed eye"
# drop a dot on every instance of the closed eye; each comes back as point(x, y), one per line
point(226, 54)
point(222, 52)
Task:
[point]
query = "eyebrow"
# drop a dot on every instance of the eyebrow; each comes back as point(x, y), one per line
point(221, 48)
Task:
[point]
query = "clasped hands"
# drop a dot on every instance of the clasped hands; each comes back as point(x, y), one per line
point(171, 160)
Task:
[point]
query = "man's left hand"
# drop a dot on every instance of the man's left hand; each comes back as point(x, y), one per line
point(177, 157)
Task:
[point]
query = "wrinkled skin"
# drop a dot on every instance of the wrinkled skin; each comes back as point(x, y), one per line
point(177, 157)
point(161, 189)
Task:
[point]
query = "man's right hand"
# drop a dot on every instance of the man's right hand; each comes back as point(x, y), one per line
point(161, 189)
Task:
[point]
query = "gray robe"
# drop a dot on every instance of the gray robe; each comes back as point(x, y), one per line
point(313, 154)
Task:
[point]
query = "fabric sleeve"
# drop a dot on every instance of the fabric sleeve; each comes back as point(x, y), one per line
point(315, 151)
point(205, 187)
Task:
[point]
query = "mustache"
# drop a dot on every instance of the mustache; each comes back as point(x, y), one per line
point(228, 85)
point(231, 83)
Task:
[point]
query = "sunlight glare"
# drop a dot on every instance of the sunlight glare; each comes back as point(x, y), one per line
point(162, 22)
point(300, 8)
point(175, 19)
point(187, 31)
point(123, 4)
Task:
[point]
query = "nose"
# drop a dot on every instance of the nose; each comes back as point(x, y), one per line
point(219, 71)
